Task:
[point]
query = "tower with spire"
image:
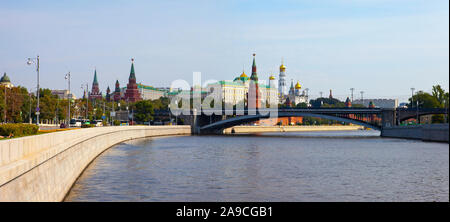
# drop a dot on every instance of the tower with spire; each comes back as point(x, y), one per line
point(254, 95)
point(108, 94)
point(282, 87)
point(132, 93)
point(95, 92)
point(117, 95)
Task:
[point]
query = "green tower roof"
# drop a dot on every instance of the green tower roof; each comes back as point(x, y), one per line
point(95, 77)
point(254, 75)
point(132, 75)
point(5, 78)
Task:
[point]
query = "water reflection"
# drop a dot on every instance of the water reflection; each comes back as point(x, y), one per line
point(307, 166)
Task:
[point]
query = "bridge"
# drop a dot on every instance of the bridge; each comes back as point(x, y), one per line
point(374, 118)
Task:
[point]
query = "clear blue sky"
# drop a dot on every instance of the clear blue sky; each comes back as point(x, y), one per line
point(383, 47)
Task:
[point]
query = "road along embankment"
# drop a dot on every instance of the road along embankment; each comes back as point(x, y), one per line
point(266, 129)
point(44, 167)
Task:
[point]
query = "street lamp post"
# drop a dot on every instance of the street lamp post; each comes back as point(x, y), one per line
point(68, 96)
point(417, 111)
point(176, 116)
point(128, 115)
point(87, 99)
point(362, 97)
point(36, 61)
point(5, 107)
point(412, 97)
point(351, 89)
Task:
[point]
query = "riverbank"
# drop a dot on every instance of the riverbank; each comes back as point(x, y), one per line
point(427, 132)
point(267, 129)
point(44, 167)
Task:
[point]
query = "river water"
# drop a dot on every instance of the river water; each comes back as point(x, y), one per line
point(303, 166)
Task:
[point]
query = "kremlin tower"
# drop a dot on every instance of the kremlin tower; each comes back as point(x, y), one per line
point(132, 93)
point(348, 104)
point(254, 95)
point(282, 87)
point(108, 94)
point(117, 96)
point(95, 92)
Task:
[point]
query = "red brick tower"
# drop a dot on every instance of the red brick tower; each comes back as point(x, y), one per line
point(132, 93)
point(95, 92)
point(254, 97)
point(116, 93)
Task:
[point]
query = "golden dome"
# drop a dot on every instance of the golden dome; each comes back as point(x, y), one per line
point(298, 86)
point(282, 68)
point(271, 77)
point(243, 75)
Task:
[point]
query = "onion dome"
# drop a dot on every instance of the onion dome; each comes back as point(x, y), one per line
point(271, 77)
point(5, 78)
point(243, 75)
point(298, 86)
point(282, 68)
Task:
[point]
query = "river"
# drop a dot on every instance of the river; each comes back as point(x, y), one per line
point(303, 166)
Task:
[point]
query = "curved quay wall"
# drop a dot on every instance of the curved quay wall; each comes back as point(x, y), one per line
point(44, 167)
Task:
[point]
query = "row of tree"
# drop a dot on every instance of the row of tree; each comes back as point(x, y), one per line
point(17, 105)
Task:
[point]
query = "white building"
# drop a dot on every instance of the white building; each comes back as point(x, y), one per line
point(382, 103)
point(236, 91)
point(63, 94)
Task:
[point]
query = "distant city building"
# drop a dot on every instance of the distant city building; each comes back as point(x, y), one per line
point(5, 81)
point(95, 92)
point(132, 93)
point(382, 103)
point(63, 94)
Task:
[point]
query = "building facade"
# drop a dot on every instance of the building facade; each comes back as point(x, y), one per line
point(63, 94)
point(382, 103)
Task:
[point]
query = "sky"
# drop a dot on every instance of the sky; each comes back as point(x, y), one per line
point(381, 47)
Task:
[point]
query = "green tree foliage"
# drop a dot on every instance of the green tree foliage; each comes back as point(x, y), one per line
point(302, 105)
point(326, 102)
point(437, 99)
point(144, 110)
point(425, 100)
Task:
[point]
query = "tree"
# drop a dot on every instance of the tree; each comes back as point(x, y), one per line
point(144, 111)
point(425, 100)
point(439, 94)
point(302, 105)
point(326, 102)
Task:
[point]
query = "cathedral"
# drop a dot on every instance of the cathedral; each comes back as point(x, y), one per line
point(295, 95)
